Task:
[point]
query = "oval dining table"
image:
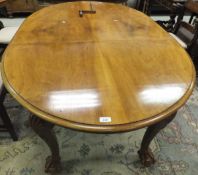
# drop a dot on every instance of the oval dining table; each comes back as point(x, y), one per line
point(96, 67)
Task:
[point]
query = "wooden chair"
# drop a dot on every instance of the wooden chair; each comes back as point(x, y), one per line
point(187, 34)
point(193, 7)
point(6, 35)
point(7, 124)
point(184, 32)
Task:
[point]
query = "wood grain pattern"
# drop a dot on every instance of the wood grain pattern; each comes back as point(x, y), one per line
point(117, 63)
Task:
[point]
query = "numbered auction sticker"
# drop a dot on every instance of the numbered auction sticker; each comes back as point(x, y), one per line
point(105, 119)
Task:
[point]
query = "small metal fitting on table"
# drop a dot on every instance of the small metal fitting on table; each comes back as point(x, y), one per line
point(91, 11)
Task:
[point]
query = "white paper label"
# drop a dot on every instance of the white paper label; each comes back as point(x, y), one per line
point(105, 119)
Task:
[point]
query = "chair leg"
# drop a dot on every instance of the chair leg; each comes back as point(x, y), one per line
point(7, 122)
point(191, 18)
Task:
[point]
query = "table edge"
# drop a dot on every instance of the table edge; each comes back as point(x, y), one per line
point(102, 128)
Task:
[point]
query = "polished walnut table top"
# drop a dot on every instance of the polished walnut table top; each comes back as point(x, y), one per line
point(115, 70)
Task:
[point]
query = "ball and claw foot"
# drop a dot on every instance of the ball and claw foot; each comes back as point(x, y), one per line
point(52, 166)
point(146, 157)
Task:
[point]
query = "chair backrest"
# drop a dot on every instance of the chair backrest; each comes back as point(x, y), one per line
point(185, 31)
point(188, 33)
point(192, 6)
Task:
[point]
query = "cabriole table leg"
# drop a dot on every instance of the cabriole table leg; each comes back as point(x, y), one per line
point(145, 154)
point(45, 131)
